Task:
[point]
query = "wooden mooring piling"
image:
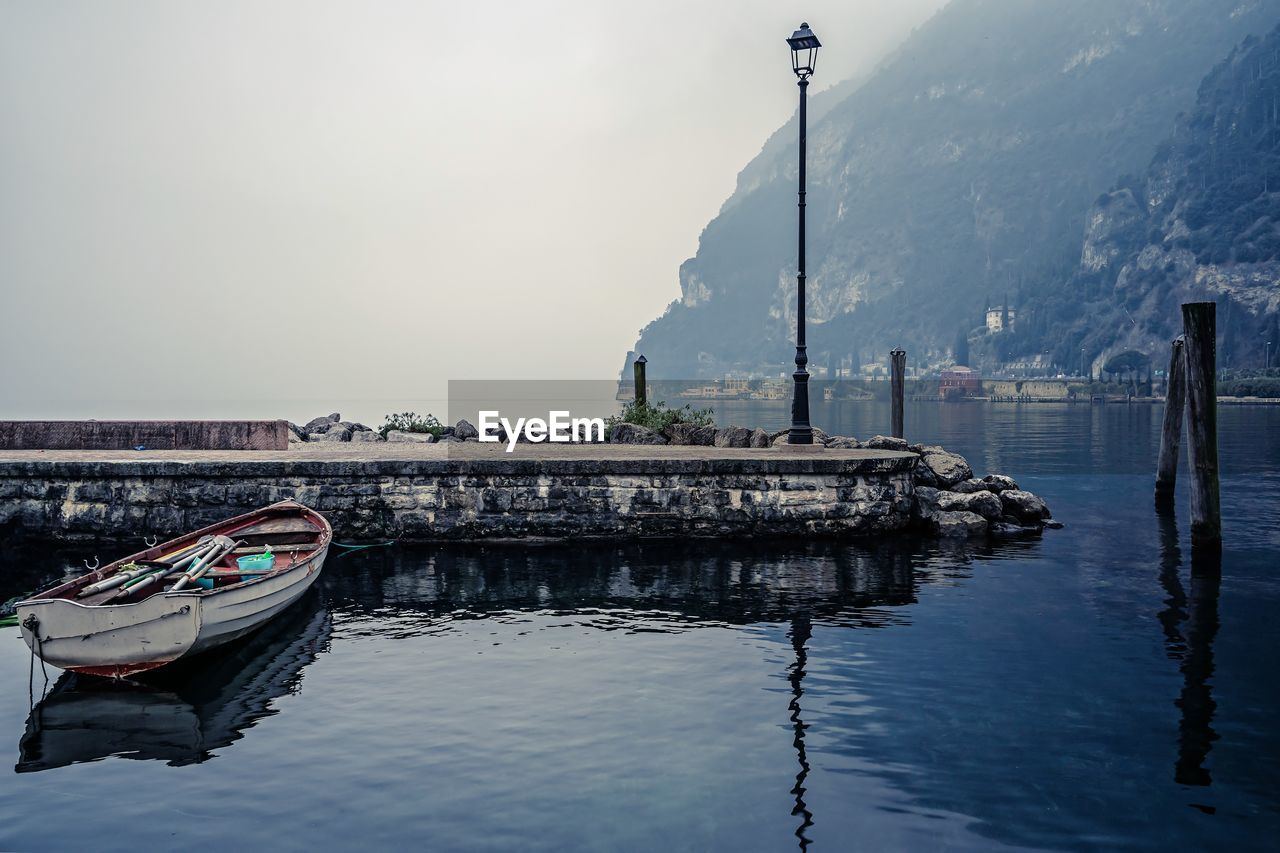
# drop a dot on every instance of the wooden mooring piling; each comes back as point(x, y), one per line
point(1171, 432)
point(642, 390)
point(1191, 393)
point(898, 359)
point(1199, 328)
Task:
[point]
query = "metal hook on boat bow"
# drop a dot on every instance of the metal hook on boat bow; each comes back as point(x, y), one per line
point(151, 541)
point(96, 563)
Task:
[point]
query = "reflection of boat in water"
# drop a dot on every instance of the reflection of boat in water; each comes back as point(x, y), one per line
point(182, 716)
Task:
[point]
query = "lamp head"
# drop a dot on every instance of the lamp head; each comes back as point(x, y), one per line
point(804, 51)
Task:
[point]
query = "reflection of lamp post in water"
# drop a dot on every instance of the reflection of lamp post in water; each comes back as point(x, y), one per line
point(801, 631)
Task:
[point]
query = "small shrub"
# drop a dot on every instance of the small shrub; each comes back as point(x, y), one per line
point(658, 416)
point(410, 422)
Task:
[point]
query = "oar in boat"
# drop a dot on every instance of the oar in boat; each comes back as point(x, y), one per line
point(146, 567)
point(224, 547)
point(212, 552)
point(183, 554)
point(123, 576)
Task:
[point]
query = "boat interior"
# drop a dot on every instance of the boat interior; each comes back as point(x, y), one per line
point(208, 560)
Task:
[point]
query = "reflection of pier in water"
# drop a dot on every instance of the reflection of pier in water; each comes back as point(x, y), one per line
point(729, 583)
point(180, 717)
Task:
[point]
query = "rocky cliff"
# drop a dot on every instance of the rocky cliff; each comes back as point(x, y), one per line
point(961, 171)
point(1202, 223)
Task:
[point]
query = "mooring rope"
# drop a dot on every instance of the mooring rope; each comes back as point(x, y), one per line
point(350, 548)
point(32, 624)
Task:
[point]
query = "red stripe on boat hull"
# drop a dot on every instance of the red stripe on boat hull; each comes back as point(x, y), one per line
point(123, 670)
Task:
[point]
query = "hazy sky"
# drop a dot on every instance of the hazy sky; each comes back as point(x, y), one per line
point(234, 200)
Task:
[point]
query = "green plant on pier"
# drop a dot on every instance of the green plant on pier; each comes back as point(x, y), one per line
point(410, 422)
point(658, 416)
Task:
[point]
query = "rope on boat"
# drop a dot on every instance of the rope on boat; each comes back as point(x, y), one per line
point(350, 548)
point(32, 624)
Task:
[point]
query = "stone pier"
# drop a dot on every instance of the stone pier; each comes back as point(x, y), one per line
point(465, 491)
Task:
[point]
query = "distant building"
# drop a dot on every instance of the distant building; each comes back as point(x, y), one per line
point(772, 389)
point(960, 382)
point(995, 319)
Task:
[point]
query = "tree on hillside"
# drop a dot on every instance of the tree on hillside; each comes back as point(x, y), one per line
point(960, 349)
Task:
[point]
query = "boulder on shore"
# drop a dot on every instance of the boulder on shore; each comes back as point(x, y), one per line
point(317, 425)
point(733, 436)
point(999, 483)
point(759, 438)
point(625, 433)
point(367, 435)
point(886, 442)
point(957, 524)
point(335, 432)
point(466, 431)
point(402, 437)
point(1024, 506)
point(981, 503)
point(703, 436)
point(946, 469)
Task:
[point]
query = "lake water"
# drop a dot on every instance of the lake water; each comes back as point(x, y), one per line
point(1085, 690)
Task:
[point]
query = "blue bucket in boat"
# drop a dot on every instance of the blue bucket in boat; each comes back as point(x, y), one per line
point(256, 562)
point(259, 563)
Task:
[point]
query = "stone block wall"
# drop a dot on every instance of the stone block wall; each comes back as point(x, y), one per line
point(154, 435)
point(469, 499)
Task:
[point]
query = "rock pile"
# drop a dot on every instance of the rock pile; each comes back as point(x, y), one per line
point(331, 428)
point(334, 428)
point(950, 501)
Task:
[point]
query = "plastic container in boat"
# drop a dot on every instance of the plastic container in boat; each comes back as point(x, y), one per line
point(256, 562)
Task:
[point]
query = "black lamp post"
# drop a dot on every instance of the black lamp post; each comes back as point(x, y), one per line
point(804, 57)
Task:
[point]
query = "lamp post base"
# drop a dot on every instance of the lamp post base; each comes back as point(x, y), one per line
point(800, 448)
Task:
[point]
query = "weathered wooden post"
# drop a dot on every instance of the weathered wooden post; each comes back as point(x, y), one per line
point(1175, 399)
point(642, 393)
point(899, 359)
point(1199, 327)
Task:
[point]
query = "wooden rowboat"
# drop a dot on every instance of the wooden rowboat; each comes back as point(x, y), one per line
point(122, 630)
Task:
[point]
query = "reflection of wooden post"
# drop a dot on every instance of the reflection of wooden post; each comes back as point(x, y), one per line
point(642, 393)
point(1175, 396)
point(1195, 730)
point(899, 359)
point(1199, 330)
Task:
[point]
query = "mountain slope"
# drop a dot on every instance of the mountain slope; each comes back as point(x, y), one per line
point(959, 172)
point(1202, 223)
